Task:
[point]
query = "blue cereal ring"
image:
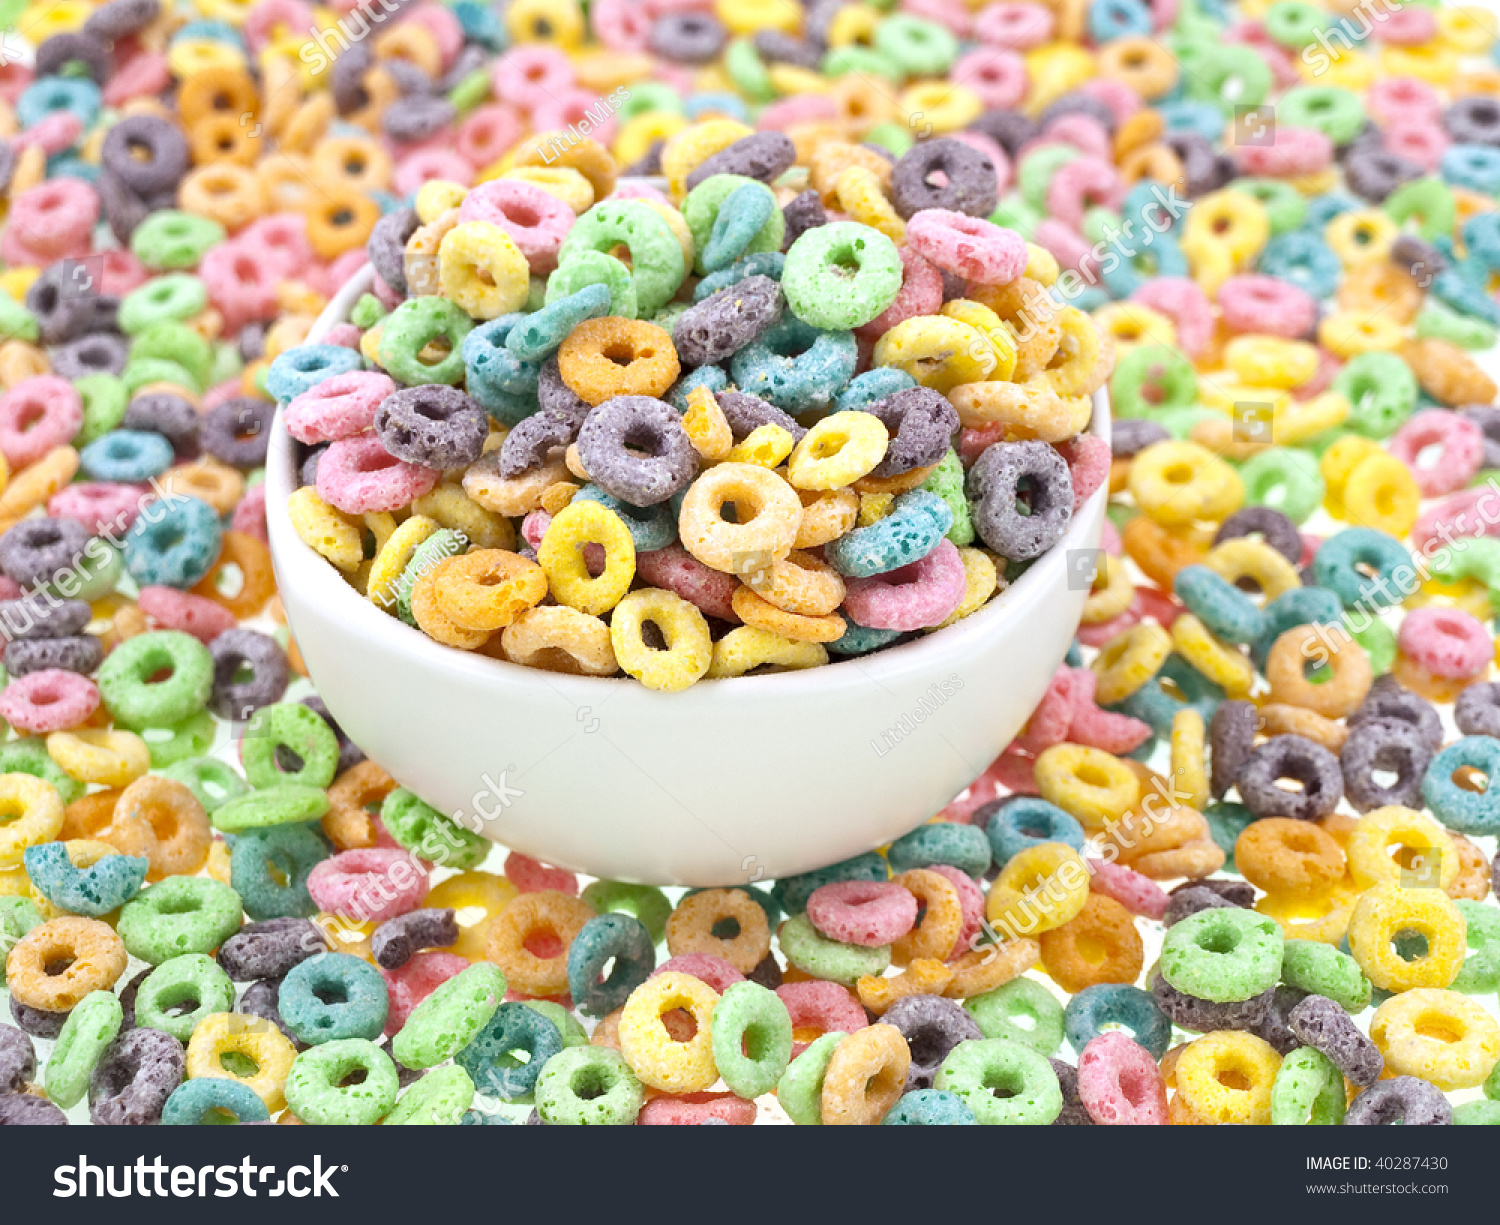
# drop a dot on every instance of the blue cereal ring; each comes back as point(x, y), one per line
point(502, 384)
point(173, 543)
point(1152, 704)
point(1476, 167)
point(1305, 260)
point(490, 1059)
point(861, 639)
point(942, 842)
point(1336, 566)
point(710, 199)
point(77, 95)
point(1299, 606)
point(356, 987)
point(1025, 821)
point(795, 366)
point(305, 366)
point(930, 1108)
point(651, 527)
point(91, 892)
point(740, 218)
point(791, 892)
point(1469, 812)
point(538, 336)
point(618, 938)
point(1116, 1005)
point(1226, 610)
point(865, 389)
point(916, 525)
point(712, 377)
point(269, 868)
point(127, 456)
point(195, 1100)
point(762, 263)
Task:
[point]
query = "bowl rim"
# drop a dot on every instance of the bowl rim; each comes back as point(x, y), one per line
point(363, 620)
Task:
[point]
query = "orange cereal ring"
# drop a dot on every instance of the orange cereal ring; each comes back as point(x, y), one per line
point(529, 940)
point(256, 583)
point(941, 924)
point(800, 583)
point(181, 828)
point(1334, 698)
point(340, 221)
point(354, 800)
point(603, 358)
point(1099, 945)
point(827, 514)
point(586, 156)
point(556, 638)
point(866, 1076)
point(1279, 719)
point(355, 162)
point(433, 621)
point(207, 480)
point(222, 137)
point(762, 614)
point(1447, 373)
point(1161, 552)
point(1283, 856)
point(488, 589)
point(925, 976)
point(1473, 879)
point(698, 916)
point(88, 815)
point(226, 192)
point(219, 90)
point(55, 965)
point(989, 966)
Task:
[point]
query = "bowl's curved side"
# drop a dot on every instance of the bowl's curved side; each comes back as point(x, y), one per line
point(726, 782)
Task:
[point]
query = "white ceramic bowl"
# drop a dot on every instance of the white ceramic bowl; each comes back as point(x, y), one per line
point(725, 783)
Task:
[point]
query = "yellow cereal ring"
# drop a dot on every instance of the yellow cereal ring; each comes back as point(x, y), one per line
point(838, 450)
point(767, 445)
point(1038, 890)
point(653, 1054)
point(981, 580)
point(1387, 911)
point(31, 812)
point(392, 559)
point(1087, 783)
point(1392, 841)
point(1226, 1077)
point(688, 650)
point(483, 270)
point(1178, 483)
point(1222, 663)
point(937, 352)
point(247, 1041)
point(327, 531)
point(1443, 1037)
point(1129, 660)
point(561, 557)
point(113, 758)
point(746, 647)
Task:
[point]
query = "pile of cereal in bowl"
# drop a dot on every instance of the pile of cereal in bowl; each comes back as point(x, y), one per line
point(1238, 868)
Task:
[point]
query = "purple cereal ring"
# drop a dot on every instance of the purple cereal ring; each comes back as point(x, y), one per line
point(358, 475)
point(1402, 1099)
point(364, 878)
point(131, 1084)
point(537, 220)
point(917, 596)
point(533, 439)
point(1448, 642)
point(863, 912)
point(339, 407)
point(635, 448)
point(1119, 1082)
point(1461, 450)
point(1326, 1027)
point(676, 570)
point(36, 415)
point(921, 424)
point(975, 249)
point(1256, 303)
point(433, 426)
point(943, 174)
point(51, 700)
point(98, 505)
point(994, 483)
point(932, 1027)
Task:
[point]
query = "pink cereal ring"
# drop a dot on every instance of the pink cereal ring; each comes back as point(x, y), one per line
point(1310, 546)
point(250, 515)
point(1119, 1082)
point(1157, 605)
point(621, 25)
point(1460, 450)
point(386, 296)
point(240, 284)
point(429, 165)
point(58, 131)
point(282, 238)
point(1296, 151)
point(1423, 143)
point(1256, 303)
point(1052, 717)
point(1083, 132)
point(796, 108)
point(98, 505)
point(1103, 729)
point(980, 792)
point(345, 335)
point(537, 220)
point(972, 440)
point(1137, 893)
point(1089, 459)
point(1084, 183)
point(268, 18)
point(53, 700)
point(145, 73)
point(996, 74)
point(533, 876)
point(1472, 512)
point(913, 597)
point(820, 1006)
point(1406, 27)
point(1123, 102)
point(487, 134)
point(527, 76)
point(1020, 27)
point(921, 293)
point(439, 21)
point(120, 272)
point(676, 570)
point(340, 407)
point(1403, 99)
point(54, 217)
point(361, 883)
point(36, 415)
point(1109, 540)
point(358, 475)
point(971, 905)
point(1070, 248)
point(15, 77)
point(691, 1108)
point(1016, 772)
point(953, 14)
point(415, 981)
point(714, 971)
point(1185, 304)
point(975, 249)
point(1098, 634)
point(570, 107)
point(863, 912)
point(1448, 642)
point(197, 615)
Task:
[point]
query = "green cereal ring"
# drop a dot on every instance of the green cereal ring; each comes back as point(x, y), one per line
point(1227, 76)
point(1435, 321)
point(1285, 480)
point(420, 828)
point(588, 1086)
point(999, 1014)
point(811, 953)
point(18, 915)
point(438, 1099)
point(895, 138)
point(1430, 201)
point(448, 1019)
point(1480, 1113)
point(1286, 207)
point(192, 980)
point(16, 321)
point(1376, 638)
point(657, 265)
point(1381, 390)
point(445, 542)
point(303, 733)
point(30, 756)
point(587, 268)
point(86, 1035)
point(1224, 954)
point(141, 371)
point(97, 572)
point(175, 342)
point(174, 298)
point(799, 1092)
point(1169, 375)
point(1492, 1084)
point(1001, 1082)
point(212, 781)
point(1226, 821)
point(104, 405)
point(1015, 213)
point(471, 90)
point(569, 1027)
point(227, 363)
point(1308, 1090)
point(1480, 973)
point(1321, 969)
point(135, 699)
point(193, 737)
point(919, 48)
point(284, 804)
point(646, 903)
point(171, 239)
point(414, 325)
point(367, 312)
point(841, 275)
point(752, 1039)
point(182, 914)
point(745, 68)
point(321, 1089)
point(667, 318)
point(646, 97)
point(862, 61)
point(701, 210)
point(1035, 173)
